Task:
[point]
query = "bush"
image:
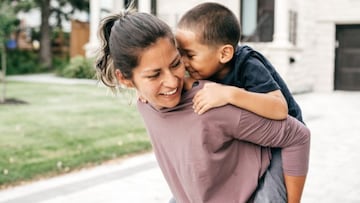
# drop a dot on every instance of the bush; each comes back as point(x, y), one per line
point(79, 67)
point(60, 63)
point(22, 62)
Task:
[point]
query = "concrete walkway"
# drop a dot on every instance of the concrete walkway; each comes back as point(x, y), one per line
point(333, 119)
point(49, 78)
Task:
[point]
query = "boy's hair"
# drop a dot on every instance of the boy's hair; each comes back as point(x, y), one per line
point(214, 23)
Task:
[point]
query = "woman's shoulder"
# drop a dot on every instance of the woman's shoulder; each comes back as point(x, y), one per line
point(191, 84)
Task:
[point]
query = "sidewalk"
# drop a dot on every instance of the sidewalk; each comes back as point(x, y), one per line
point(133, 180)
point(333, 119)
point(49, 78)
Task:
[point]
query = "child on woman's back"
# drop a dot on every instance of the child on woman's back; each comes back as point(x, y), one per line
point(208, 37)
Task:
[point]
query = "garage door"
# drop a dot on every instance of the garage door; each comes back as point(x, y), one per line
point(347, 61)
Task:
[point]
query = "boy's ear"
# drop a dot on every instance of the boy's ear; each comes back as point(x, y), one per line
point(122, 80)
point(226, 53)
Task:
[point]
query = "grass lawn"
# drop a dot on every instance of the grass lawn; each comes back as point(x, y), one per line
point(64, 127)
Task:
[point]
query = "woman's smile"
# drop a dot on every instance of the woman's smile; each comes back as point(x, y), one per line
point(170, 92)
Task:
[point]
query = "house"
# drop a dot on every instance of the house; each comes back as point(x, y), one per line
point(314, 44)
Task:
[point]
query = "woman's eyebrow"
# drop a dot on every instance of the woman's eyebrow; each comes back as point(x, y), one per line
point(151, 70)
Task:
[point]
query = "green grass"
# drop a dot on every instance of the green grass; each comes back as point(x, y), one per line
point(64, 127)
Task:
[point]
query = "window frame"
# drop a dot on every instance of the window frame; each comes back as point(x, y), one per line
point(265, 17)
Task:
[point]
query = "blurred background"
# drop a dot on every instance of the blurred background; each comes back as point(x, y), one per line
point(313, 44)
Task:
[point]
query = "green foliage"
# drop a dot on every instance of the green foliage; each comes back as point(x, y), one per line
point(79, 67)
point(49, 9)
point(59, 64)
point(64, 128)
point(56, 7)
point(8, 21)
point(23, 5)
point(22, 62)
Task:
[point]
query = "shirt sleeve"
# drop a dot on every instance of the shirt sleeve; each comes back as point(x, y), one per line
point(289, 134)
point(257, 78)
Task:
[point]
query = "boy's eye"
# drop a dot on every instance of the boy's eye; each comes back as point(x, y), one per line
point(190, 55)
point(185, 53)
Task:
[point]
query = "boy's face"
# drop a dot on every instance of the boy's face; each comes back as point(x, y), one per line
point(201, 61)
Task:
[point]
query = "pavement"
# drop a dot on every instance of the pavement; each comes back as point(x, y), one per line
point(333, 119)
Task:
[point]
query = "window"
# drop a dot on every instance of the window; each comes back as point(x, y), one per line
point(257, 20)
point(127, 3)
point(153, 7)
point(292, 27)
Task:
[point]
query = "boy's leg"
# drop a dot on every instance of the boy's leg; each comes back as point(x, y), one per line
point(271, 188)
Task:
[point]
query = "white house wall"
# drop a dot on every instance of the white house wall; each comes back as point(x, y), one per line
point(318, 37)
point(342, 11)
point(300, 75)
point(314, 53)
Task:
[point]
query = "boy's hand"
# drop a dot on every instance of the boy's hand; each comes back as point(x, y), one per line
point(210, 96)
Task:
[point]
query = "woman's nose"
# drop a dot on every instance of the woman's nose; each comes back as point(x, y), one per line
point(170, 80)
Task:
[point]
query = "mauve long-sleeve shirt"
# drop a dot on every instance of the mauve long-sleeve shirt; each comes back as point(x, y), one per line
point(219, 156)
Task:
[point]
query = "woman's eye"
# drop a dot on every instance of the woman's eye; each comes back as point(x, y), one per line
point(153, 76)
point(176, 64)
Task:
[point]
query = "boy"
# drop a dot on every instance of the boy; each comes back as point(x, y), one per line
point(208, 37)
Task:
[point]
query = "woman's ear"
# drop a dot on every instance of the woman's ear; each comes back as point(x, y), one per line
point(226, 53)
point(122, 80)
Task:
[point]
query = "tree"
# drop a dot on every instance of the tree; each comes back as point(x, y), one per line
point(7, 25)
point(50, 8)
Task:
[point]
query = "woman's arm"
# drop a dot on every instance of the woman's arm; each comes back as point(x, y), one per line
point(294, 187)
point(290, 135)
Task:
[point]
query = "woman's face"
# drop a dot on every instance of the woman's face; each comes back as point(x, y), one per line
point(159, 77)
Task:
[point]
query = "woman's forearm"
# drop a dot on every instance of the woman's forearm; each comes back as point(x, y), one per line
point(294, 187)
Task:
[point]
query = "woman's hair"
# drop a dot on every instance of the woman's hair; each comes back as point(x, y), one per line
point(214, 24)
point(124, 37)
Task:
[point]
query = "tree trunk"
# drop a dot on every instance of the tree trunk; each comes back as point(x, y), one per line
point(3, 74)
point(45, 40)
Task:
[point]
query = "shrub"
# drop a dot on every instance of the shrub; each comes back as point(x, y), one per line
point(60, 63)
point(79, 67)
point(22, 62)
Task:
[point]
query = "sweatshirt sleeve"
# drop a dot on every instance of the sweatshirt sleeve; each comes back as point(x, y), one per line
point(289, 134)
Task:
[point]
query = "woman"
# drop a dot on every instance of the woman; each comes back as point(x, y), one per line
point(219, 156)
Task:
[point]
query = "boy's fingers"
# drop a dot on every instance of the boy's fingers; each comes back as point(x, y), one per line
point(198, 106)
point(201, 108)
point(196, 98)
point(197, 102)
point(204, 109)
point(201, 111)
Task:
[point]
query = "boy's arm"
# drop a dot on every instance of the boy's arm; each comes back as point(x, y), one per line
point(270, 105)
